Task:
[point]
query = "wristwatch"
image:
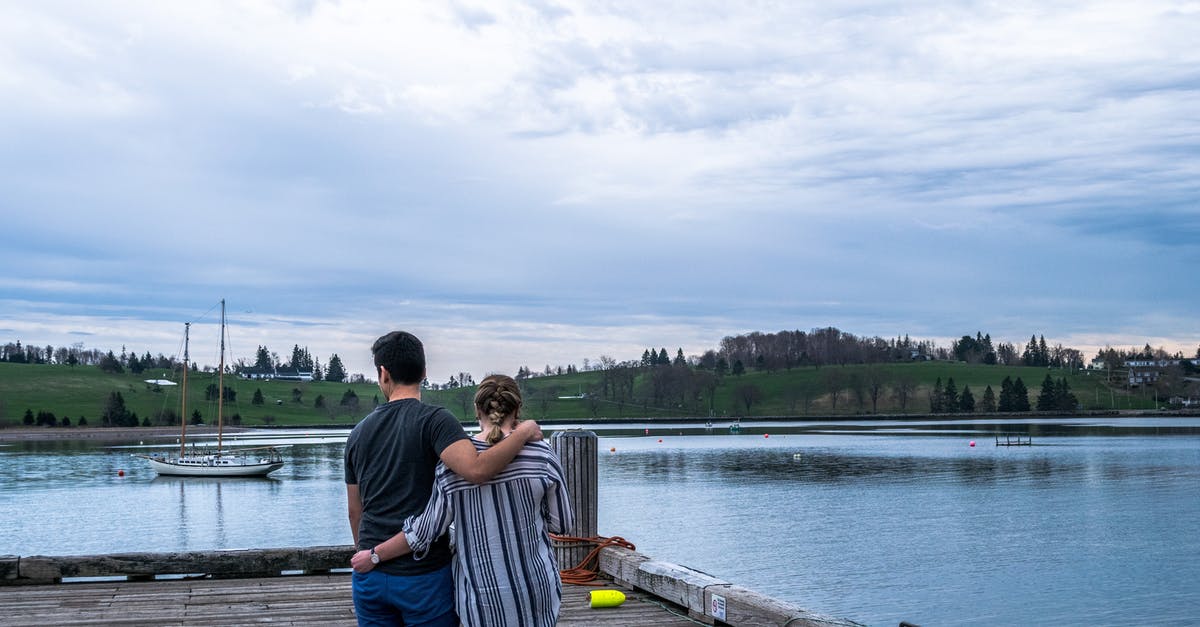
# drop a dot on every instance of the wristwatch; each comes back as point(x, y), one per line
point(374, 557)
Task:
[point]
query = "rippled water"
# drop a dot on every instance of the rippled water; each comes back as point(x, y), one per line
point(875, 521)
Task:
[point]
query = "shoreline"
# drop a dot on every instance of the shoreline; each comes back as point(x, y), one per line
point(117, 434)
point(32, 434)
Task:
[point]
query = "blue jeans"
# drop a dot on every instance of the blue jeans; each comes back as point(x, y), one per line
point(409, 601)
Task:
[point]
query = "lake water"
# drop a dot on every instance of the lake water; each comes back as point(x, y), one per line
point(1097, 523)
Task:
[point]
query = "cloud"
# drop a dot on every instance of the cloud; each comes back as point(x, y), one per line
point(925, 168)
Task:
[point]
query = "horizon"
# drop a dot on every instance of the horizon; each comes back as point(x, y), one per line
point(589, 363)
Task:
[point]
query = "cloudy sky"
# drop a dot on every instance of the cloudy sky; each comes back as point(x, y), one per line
point(542, 182)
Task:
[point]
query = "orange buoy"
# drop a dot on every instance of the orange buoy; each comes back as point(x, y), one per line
point(612, 450)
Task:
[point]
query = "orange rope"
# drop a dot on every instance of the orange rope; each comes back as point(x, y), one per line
point(585, 573)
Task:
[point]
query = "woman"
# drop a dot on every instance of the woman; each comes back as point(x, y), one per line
point(504, 567)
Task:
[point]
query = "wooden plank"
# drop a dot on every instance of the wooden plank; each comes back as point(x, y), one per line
point(707, 598)
point(747, 608)
point(295, 600)
point(8, 566)
point(621, 564)
point(243, 562)
point(677, 584)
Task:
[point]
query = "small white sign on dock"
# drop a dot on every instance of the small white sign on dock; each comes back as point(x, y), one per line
point(716, 608)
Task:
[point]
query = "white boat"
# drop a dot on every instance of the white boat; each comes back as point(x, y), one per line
point(223, 464)
point(218, 462)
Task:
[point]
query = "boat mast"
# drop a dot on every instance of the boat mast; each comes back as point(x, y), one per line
point(221, 380)
point(183, 396)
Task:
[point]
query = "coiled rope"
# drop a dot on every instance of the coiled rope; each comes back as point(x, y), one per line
point(585, 573)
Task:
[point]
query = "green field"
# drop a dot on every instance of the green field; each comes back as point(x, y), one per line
point(75, 392)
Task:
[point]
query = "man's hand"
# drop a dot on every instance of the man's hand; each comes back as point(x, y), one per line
point(361, 561)
point(529, 430)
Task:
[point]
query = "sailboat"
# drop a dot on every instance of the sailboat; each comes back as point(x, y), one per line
point(246, 462)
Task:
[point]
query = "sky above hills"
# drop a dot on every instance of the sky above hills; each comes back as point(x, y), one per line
point(543, 182)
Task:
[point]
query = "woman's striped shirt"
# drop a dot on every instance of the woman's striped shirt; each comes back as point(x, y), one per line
point(505, 573)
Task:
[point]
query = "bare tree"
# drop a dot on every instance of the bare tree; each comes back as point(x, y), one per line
point(835, 381)
point(748, 394)
point(902, 390)
point(876, 382)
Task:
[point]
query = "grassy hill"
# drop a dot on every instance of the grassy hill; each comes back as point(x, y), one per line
point(75, 392)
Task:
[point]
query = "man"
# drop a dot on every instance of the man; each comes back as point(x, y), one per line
point(390, 460)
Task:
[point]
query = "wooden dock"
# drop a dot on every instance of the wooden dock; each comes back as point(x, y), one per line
point(291, 600)
point(303, 586)
point(311, 585)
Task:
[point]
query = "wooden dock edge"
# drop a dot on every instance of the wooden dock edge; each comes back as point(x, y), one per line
point(707, 598)
point(42, 569)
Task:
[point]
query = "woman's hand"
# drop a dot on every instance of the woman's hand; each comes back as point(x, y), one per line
point(361, 561)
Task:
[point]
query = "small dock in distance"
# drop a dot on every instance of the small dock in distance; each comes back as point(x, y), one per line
point(1015, 440)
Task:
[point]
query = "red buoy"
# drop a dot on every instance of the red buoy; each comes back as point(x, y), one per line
point(120, 473)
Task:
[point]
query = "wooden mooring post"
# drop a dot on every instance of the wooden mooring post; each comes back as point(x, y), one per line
point(577, 452)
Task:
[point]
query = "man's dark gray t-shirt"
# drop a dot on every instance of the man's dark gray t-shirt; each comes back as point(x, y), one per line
point(391, 455)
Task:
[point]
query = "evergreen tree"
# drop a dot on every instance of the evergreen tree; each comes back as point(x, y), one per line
point(1006, 395)
point(28, 418)
point(349, 399)
point(1020, 396)
point(114, 414)
point(318, 373)
point(197, 419)
point(950, 396)
point(647, 360)
point(1064, 400)
point(966, 401)
point(1046, 400)
point(319, 402)
point(663, 358)
point(82, 421)
point(262, 359)
point(335, 373)
point(110, 363)
point(679, 358)
point(258, 397)
point(738, 368)
point(988, 402)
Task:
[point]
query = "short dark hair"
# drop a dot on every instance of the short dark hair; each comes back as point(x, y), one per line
point(402, 354)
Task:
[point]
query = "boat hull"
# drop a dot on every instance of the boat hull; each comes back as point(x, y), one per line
point(213, 466)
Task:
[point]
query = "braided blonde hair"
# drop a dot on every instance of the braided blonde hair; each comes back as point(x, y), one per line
point(497, 399)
